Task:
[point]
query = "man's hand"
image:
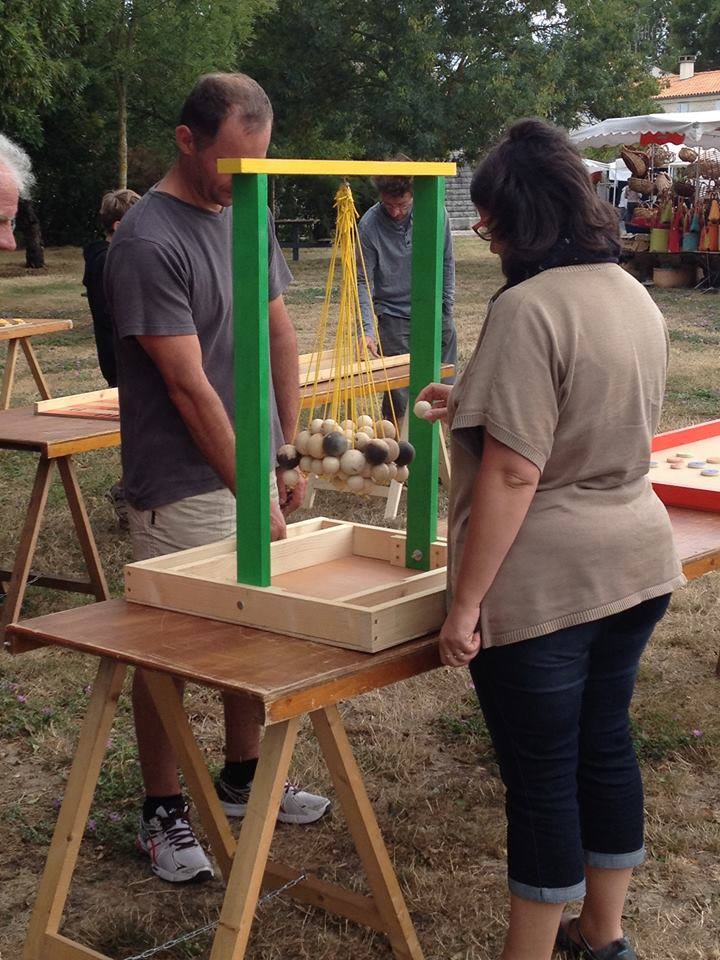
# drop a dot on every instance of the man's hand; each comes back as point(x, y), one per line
point(437, 394)
point(372, 346)
point(278, 529)
point(290, 500)
point(459, 637)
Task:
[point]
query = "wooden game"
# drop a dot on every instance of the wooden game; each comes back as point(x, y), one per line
point(337, 582)
point(687, 486)
point(94, 405)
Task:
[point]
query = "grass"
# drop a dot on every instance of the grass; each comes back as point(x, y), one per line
point(422, 746)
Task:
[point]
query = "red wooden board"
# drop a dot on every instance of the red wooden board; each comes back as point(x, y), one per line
point(685, 495)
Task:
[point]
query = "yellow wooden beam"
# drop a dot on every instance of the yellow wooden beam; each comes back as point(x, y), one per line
point(341, 168)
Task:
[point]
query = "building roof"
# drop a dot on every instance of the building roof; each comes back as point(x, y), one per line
point(704, 83)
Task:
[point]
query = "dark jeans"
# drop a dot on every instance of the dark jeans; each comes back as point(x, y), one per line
point(556, 707)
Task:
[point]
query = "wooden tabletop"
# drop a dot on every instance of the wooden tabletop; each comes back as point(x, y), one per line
point(32, 328)
point(286, 675)
point(697, 538)
point(22, 429)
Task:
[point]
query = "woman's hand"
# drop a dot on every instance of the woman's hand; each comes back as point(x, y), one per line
point(437, 394)
point(459, 638)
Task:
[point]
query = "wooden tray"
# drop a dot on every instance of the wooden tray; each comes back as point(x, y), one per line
point(336, 582)
point(686, 488)
point(95, 405)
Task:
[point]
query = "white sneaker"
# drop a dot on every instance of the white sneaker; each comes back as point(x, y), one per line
point(175, 854)
point(296, 806)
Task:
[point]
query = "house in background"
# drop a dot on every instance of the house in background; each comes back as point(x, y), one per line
point(688, 91)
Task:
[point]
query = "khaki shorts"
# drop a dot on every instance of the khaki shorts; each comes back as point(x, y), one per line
point(191, 522)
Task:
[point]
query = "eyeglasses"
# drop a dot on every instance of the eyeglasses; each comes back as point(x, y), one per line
point(8, 220)
point(482, 230)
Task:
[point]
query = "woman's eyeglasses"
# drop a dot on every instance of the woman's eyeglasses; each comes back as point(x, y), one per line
point(482, 230)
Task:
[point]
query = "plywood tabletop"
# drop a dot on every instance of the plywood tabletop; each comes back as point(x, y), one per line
point(287, 676)
point(21, 429)
point(13, 328)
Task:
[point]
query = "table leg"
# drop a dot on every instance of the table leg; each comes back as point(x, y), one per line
point(253, 845)
point(365, 831)
point(9, 375)
point(83, 528)
point(10, 610)
point(79, 792)
point(37, 373)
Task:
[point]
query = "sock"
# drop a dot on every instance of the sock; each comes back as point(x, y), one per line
point(174, 801)
point(239, 773)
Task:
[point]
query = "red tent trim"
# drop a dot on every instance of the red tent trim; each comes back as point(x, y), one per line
point(676, 138)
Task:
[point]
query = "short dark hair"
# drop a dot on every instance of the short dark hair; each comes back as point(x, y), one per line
point(215, 95)
point(536, 192)
point(394, 186)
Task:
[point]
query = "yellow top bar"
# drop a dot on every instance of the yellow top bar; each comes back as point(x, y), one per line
point(342, 168)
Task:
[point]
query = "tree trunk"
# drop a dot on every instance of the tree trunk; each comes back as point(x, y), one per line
point(30, 226)
point(122, 131)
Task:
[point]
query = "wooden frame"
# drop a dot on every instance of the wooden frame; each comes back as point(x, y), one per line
point(675, 495)
point(337, 582)
point(19, 332)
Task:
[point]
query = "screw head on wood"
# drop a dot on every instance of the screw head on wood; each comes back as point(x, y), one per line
point(240, 605)
point(417, 555)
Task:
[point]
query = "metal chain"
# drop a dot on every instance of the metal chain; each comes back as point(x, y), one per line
point(192, 934)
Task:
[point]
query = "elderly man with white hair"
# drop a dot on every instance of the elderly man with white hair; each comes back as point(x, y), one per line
point(16, 179)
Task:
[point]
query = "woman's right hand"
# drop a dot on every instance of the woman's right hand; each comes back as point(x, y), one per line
point(437, 394)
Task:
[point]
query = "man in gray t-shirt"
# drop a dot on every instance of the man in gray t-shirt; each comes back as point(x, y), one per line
point(169, 287)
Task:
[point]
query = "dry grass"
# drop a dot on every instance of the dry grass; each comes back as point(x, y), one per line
point(423, 750)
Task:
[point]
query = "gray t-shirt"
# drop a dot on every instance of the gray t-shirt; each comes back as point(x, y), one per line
point(168, 272)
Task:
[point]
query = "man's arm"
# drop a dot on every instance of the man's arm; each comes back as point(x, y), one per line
point(179, 360)
point(448, 273)
point(284, 366)
point(366, 265)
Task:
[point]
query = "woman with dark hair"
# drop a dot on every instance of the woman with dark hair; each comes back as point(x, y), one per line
point(561, 556)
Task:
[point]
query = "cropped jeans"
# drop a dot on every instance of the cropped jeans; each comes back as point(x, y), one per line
point(556, 708)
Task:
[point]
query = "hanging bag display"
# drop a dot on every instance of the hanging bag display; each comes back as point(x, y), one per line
point(675, 235)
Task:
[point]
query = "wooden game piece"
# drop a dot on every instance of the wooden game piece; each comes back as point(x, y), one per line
point(684, 456)
point(713, 459)
point(361, 440)
point(696, 464)
point(421, 408)
point(381, 473)
point(291, 478)
point(330, 426)
point(385, 429)
point(348, 425)
point(330, 465)
point(316, 467)
point(402, 474)
point(355, 484)
point(316, 446)
point(393, 448)
point(364, 421)
point(674, 459)
point(306, 464)
point(316, 426)
point(334, 444)
point(709, 473)
point(368, 431)
point(406, 454)
point(677, 465)
point(352, 463)
point(393, 469)
point(376, 452)
point(301, 442)
point(288, 456)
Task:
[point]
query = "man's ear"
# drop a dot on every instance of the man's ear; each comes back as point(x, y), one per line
point(184, 139)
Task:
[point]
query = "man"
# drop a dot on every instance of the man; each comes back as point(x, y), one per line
point(16, 179)
point(168, 283)
point(386, 239)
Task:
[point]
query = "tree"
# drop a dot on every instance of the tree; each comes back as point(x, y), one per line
point(693, 27)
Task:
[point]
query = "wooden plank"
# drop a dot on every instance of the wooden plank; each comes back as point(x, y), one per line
point(252, 378)
point(329, 581)
point(79, 791)
point(83, 529)
point(366, 834)
point(398, 620)
point(9, 374)
point(340, 168)
point(253, 845)
point(57, 947)
point(35, 370)
point(374, 596)
point(320, 546)
point(17, 328)
point(109, 394)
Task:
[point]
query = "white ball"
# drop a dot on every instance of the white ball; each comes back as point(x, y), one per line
point(393, 468)
point(381, 473)
point(364, 421)
point(352, 462)
point(315, 426)
point(349, 436)
point(367, 471)
point(355, 484)
point(421, 408)
point(361, 441)
point(290, 478)
point(385, 429)
point(301, 442)
point(330, 465)
point(315, 446)
point(329, 426)
point(306, 464)
point(316, 468)
point(348, 425)
point(368, 431)
point(402, 474)
point(393, 448)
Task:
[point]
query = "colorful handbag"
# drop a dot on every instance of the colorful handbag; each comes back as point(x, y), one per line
point(659, 240)
point(690, 237)
point(675, 236)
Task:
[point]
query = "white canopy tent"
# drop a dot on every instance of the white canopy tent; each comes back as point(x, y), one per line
point(701, 129)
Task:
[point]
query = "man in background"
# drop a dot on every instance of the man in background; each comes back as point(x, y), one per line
point(16, 180)
point(386, 232)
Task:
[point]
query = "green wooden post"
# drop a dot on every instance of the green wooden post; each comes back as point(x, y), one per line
point(252, 371)
point(425, 349)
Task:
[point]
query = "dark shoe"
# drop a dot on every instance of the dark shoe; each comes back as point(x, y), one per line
point(573, 944)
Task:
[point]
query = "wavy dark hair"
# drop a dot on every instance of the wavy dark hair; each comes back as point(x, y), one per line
point(541, 204)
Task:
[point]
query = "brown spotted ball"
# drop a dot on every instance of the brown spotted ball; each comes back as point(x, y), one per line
point(376, 452)
point(406, 454)
point(287, 456)
point(334, 445)
point(352, 463)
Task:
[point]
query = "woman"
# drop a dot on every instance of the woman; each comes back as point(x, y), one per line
point(561, 557)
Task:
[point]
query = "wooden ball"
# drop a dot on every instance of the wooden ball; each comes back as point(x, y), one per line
point(301, 442)
point(393, 448)
point(368, 431)
point(287, 456)
point(406, 454)
point(316, 468)
point(290, 478)
point(330, 465)
point(385, 429)
point(393, 468)
point(369, 485)
point(364, 421)
point(361, 441)
point(402, 474)
point(352, 463)
point(348, 425)
point(315, 426)
point(349, 436)
point(381, 473)
point(306, 464)
point(367, 471)
point(334, 445)
point(421, 408)
point(376, 452)
point(355, 484)
point(316, 448)
point(329, 426)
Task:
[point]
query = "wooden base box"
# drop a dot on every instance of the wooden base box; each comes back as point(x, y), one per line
point(336, 582)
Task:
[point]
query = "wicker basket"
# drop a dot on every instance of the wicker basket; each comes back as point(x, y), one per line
point(635, 161)
point(687, 155)
point(659, 155)
point(709, 169)
point(663, 183)
point(684, 188)
point(641, 185)
point(670, 277)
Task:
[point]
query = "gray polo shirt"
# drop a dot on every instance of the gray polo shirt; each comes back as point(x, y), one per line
point(168, 273)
